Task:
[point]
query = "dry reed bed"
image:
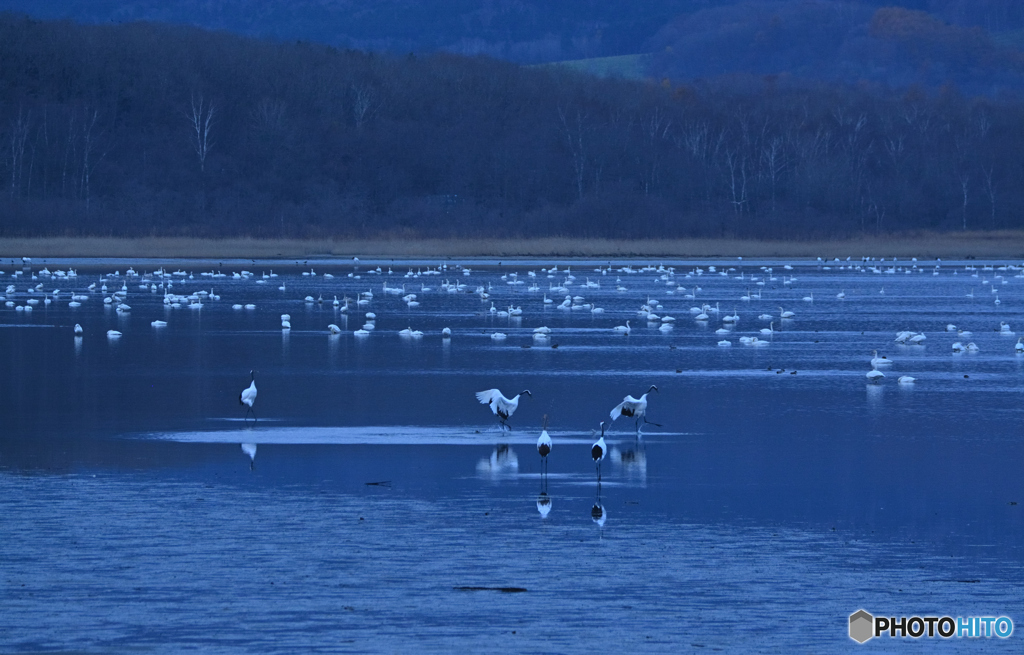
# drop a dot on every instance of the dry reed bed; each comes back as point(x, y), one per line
point(981, 245)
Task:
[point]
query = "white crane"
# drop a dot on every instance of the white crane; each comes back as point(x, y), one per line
point(501, 406)
point(598, 451)
point(634, 407)
point(248, 397)
point(544, 445)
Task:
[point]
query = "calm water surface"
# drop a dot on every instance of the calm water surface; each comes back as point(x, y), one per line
point(377, 507)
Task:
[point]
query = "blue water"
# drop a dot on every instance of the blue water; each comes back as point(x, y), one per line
point(377, 507)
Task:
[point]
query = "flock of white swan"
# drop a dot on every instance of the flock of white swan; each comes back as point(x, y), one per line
point(508, 295)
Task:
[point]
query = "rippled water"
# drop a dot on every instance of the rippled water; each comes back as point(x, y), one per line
point(377, 507)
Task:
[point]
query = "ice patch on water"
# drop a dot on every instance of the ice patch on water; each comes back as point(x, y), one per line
point(397, 435)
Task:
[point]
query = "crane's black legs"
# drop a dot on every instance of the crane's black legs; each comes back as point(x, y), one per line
point(643, 420)
point(250, 411)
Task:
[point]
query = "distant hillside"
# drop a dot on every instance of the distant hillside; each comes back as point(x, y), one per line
point(840, 41)
point(525, 31)
point(147, 129)
point(709, 37)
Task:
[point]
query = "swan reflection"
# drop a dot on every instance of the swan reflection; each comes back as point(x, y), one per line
point(503, 461)
point(250, 450)
point(875, 394)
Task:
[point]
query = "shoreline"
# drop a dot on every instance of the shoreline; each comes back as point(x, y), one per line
point(976, 245)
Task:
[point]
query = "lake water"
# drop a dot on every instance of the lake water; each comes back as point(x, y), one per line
point(378, 507)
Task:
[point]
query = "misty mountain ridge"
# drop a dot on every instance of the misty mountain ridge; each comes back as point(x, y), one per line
point(975, 44)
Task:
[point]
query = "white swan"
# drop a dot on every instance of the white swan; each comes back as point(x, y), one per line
point(877, 361)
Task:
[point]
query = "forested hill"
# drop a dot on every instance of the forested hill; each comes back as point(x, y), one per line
point(143, 129)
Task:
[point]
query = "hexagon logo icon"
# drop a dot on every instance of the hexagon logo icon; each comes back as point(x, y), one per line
point(861, 626)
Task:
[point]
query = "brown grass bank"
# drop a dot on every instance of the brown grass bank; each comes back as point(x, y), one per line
point(980, 245)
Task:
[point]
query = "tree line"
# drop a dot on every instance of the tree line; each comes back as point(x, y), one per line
point(144, 129)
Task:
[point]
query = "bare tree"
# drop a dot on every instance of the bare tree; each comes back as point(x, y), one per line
point(90, 141)
point(655, 129)
point(70, 152)
point(737, 165)
point(364, 103)
point(573, 129)
point(268, 115)
point(200, 123)
point(990, 191)
point(16, 150)
point(775, 161)
point(964, 179)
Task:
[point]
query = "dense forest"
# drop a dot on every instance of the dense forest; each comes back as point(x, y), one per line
point(141, 129)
